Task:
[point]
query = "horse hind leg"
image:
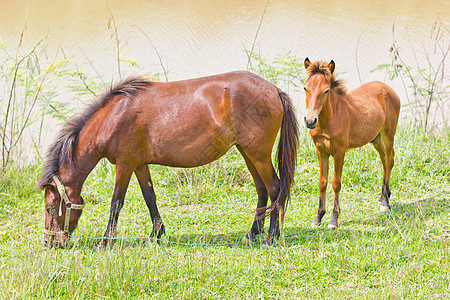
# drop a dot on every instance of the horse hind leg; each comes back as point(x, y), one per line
point(267, 184)
point(386, 153)
point(258, 223)
point(389, 146)
point(272, 183)
point(145, 182)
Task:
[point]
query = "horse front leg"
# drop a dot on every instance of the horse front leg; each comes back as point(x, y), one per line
point(338, 165)
point(324, 159)
point(123, 175)
point(145, 182)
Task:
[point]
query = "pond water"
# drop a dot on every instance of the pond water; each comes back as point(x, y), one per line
point(199, 37)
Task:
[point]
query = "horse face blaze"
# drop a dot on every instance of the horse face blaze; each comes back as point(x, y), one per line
point(317, 89)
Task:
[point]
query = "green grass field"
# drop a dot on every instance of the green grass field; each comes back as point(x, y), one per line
point(404, 253)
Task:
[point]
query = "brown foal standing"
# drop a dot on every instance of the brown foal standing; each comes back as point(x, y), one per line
point(339, 121)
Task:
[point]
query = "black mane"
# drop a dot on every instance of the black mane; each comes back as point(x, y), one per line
point(321, 67)
point(61, 151)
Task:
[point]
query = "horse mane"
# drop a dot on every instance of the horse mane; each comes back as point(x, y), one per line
point(321, 67)
point(61, 151)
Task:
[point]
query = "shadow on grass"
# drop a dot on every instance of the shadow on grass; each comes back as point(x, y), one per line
point(410, 217)
point(406, 217)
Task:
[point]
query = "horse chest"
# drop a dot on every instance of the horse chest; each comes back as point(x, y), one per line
point(323, 143)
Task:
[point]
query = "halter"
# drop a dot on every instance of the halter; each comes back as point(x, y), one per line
point(69, 206)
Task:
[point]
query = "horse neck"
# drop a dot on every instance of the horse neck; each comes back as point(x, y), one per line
point(74, 174)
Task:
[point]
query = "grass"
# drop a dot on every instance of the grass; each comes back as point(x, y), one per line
point(404, 253)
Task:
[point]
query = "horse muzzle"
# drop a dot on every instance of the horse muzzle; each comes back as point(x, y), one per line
point(311, 118)
point(311, 124)
point(56, 239)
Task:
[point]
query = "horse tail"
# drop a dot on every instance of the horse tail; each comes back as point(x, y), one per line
point(286, 153)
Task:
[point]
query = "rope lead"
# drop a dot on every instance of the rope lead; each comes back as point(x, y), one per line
point(260, 241)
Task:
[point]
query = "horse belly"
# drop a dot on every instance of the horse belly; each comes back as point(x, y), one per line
point(189, 152)
point(366, 123)
point(189, 139)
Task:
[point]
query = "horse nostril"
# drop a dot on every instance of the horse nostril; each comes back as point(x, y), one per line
point(311, 123)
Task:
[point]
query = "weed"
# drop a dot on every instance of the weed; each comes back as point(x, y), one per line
point(427, 81)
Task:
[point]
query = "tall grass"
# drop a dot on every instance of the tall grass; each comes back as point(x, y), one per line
point(21, 89)
point(39, 89)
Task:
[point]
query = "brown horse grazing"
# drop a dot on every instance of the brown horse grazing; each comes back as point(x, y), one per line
point(180, 124)
point(339, 121)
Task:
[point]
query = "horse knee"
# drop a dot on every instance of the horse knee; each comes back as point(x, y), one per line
point(275, 189)
point(391, 161)
point(260, 188)
point(117, 206)
point(323, 182)
point(336, 185)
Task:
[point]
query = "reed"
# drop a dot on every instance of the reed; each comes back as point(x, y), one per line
point(425, 81)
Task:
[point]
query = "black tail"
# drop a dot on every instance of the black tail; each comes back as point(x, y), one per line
point(287, 153)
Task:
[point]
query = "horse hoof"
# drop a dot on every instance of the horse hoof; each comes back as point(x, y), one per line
point(265, 245)
point(151, 242)
point(384, 208)
point(332, 226)
point(269, 241)
point(98, 248)
point(314, 225)
point(247, 239)
point(101, 245)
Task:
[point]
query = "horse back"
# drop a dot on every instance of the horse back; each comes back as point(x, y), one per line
point(373, 107)
point(374, 97)
point(188, 123)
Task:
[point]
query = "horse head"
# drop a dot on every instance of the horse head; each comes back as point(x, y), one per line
point(61, 214)
point(317, 87)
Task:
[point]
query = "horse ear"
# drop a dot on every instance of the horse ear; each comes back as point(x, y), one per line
point(49, 186)
point(331, 66)
point(307, 63)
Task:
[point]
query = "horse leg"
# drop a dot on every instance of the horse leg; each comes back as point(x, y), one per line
point(324, 159)
point(123, 175)
point(338, 165)
point(269, 177)
point(145, 182)
point(389, 145)
point(386, 152)
point(258, 223)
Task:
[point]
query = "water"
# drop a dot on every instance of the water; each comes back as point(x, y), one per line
point(199, 37)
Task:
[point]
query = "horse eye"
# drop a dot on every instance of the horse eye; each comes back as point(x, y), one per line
point(305, 89)
point(50, 210)
point(326, 92)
